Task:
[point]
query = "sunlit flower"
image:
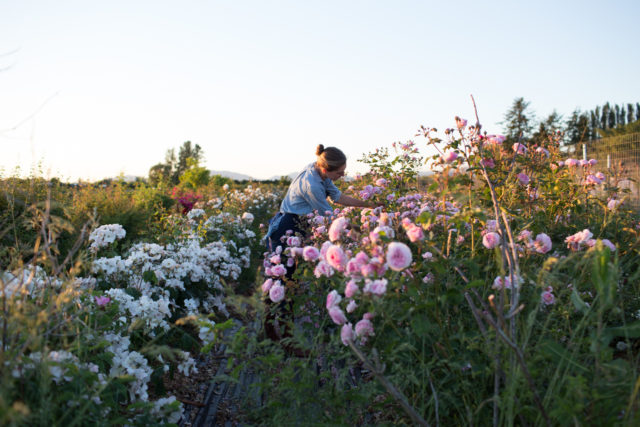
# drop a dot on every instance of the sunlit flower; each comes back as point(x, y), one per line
point(491, 239)
point(398, 256)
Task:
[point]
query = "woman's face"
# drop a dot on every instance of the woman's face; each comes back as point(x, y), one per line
point(336, 174)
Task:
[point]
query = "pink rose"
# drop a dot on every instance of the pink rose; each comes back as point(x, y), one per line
point(336, 257)
point(381, 182)
point(293, 241)
point(571, 163)
point(275, 259)
point(449, 156)
point(323, 269)
point(415, 233)
point(613, 204)
point(276, 293)
point(488, 163)
point(460, 123)
point(337, 315)
point(548, 298)
point(278, 270)
point(519, 148)
point(368, 270)
point(542, 244)
point(362, 258)
point(346, 333)
point(266, 286)
point(491, 240)
point(333, 298)
point(398, 256)
point(608, 244)
point(351, 289)
point(364, 328)
point(351, 306)
point(310, 253)
point(337, 228)
point(376, 287)
point(368, 316)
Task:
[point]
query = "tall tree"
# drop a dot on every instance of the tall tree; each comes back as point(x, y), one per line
point(518, 121)
point(548, 127)
point(630, 113)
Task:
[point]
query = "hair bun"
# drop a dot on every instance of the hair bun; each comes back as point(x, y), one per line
point(319, 149)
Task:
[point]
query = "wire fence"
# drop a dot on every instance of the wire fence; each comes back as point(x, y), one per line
point(619, 159)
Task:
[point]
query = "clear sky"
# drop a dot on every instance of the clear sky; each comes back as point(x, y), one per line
point(91, 89)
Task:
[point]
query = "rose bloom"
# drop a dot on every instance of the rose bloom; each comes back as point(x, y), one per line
point(613, 204)
point(571, 162)
point(337, 228)
point(336, 257)
point(333, 298)
point(351, 306)
point(460, 123)
point(276, 293)
point(293, 241)
point(449, 156)
point(608, 244)
point(519, 148)
point(353, 268)
point(523, 178)
point(275, 259)
point(364, 328)
point(381, 182)
point(376, 287)
point(346, 333)
point(266, 286)
point(323, 269)
point(542, 244)
point(547, 298)
point(415, 233)
point(398, 256)
point(337, 315)
point(491, 240)
point(278, 270)
point(351, 289)
point(488, 163)
point(310, 253)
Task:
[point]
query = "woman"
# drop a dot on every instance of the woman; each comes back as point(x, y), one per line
point(309, 192)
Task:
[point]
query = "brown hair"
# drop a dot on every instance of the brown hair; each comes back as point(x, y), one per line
point(330, 158)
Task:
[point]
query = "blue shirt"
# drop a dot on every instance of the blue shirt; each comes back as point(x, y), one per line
point(309, 192)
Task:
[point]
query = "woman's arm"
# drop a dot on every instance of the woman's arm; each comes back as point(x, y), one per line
point(352, 201)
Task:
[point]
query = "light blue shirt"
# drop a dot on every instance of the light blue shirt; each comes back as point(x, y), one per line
point(309, 192)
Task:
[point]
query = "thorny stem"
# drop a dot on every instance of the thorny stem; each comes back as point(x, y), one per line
point(417, 419)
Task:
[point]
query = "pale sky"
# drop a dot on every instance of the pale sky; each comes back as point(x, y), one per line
point(92, 89)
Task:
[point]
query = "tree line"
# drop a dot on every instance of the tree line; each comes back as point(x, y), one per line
point(520, 123)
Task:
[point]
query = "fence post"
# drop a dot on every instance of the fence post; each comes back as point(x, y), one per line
point(584, 152)
point(608, 161)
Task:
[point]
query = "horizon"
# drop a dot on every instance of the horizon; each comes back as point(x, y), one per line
point(92, 91)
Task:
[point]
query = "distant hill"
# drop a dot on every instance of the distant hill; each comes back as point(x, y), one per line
point(292, 176)
point(233, 175)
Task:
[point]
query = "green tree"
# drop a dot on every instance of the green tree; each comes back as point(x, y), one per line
point(548, 127)
point(195, 176)
point(518, 121)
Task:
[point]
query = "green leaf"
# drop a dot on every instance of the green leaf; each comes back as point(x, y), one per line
point(578, 303)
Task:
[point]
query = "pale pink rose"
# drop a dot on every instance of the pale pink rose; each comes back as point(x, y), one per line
point(428, 278)
point(290, 262)
point(524, 236)
point(592, 162)
point(492, 225)
point(428, 256)
point(351, 289)
point(323, 269)
point(278, 270)
point(347, 334)
point(381, 182)
point(547, 298)
point(310, 253)
point(391, 196)
point(368, 316)
point(542, 244)
point(368, 270)
point(613, 204)
point(491, 240)
point(337, 315)
point(384, 219)
point(592, 180)
point(460, 123)
point(293, 241)
point(102, 301)
point(580, 238)
point(376, 287)
point(449, 156)
point(351, 306)
point(495, 139)
point(267, 271)
point(323, 249)
point(276, 293)
point(333, 298)
point(499, 283)
point(275, 259)
point(571, 162)
point(398, 256)
point(364, 328)
point(600, 176)
point(560, 164)
point(353, 268)
point(338, 226)
point(415, 233)
point(519, 148)
point(523, 178)
point(362, 258)
point(266, 286)
point(584, 162)
point(336, 257)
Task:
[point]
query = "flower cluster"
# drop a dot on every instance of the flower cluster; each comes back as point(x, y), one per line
point(105, 235)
